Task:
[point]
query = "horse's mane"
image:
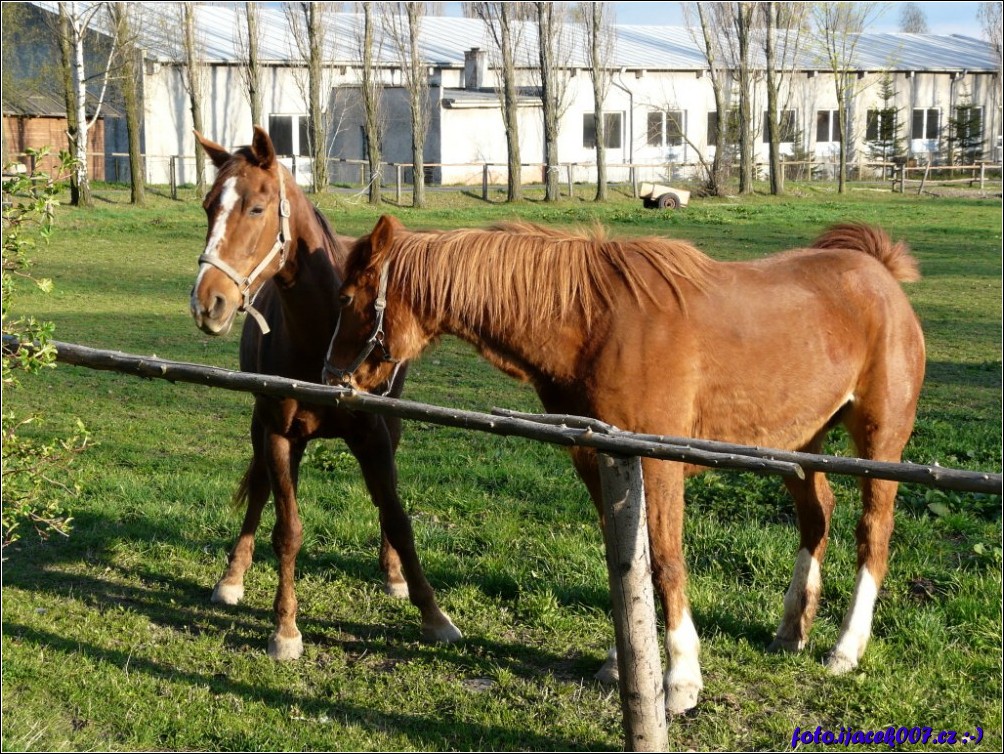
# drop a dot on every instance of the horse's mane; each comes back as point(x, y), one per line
point(518, 275)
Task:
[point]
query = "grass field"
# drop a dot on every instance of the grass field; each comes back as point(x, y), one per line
point(110, 642)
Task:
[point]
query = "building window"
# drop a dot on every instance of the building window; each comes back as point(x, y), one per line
point(665, 128)
point(786, 121)
point(827, 126)
point(612, 130)
point(966, 135)
point(881, 125)
point(290, 134)
point(731, 128)
point(926, 124)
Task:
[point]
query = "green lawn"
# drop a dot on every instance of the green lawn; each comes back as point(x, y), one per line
point(109, 640)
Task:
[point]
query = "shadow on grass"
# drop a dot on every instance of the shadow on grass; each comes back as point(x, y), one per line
point(434, 727)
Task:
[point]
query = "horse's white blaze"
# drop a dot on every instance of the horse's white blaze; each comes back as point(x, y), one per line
point(683, 681)
point(857, 625)
point(228, 200)
point(805, 580)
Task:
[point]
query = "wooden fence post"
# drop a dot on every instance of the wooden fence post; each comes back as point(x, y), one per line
point(983, 175)
point(643, 701)
point(484, 182)
point(173, 169)
point(571, 189)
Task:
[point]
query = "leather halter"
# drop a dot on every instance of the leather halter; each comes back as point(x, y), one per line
point(333, 375)
point(244, 283)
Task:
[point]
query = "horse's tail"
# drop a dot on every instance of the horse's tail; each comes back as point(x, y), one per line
point(243, 492)
point(874, 241)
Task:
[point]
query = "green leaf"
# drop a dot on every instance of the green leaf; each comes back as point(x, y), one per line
point(939, 509)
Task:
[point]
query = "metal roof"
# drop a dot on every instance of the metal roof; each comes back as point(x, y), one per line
point(444, 39)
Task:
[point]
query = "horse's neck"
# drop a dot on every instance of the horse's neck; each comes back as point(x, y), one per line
point(310, 298)
point(526, 353)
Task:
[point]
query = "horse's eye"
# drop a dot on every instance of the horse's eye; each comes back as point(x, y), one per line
point(344, 300)
point(256, 211)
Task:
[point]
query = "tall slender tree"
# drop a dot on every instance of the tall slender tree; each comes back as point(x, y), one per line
point(598, 28)
point(501, 21)
point(194, 77)
point(551, 50)
point(403, 24)
point(838, 27)
point(249, 46)
point(124, 18)
point(371, 94)
point(307, 26)
point(74, 24)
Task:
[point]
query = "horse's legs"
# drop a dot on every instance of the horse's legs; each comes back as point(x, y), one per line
point(254, 490)
point(390, 562)
point(284, 457)
point(664, 505)
point(880, 439)
point(813, 506)
point(664, 499)
point(373, 447)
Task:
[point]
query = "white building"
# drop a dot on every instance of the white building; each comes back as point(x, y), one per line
point(659, 111)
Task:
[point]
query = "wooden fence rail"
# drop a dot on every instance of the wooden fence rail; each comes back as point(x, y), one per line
point(619, 452)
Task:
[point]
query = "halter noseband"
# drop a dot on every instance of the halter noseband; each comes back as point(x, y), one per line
point(244, 283)
point(334, 375)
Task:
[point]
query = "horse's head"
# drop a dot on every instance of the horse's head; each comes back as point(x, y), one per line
point(248, 232)
point(377, 328)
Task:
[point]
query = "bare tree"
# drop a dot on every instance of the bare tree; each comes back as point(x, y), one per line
point(598, 30)
point(371, 93)
point(782, 25)
point(718, 75)
point(553, 55)
point(249, 58)
point(838, 27)
point(306, 21)
point(742, 24)
point(403, 24)
point(194, 79)
point(500, 19)
point(912, 19)
point(74, 24)
point(124, 19)
point(990, 16)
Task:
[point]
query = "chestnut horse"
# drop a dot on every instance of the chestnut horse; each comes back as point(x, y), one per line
point(653, 336)
point(267, 244)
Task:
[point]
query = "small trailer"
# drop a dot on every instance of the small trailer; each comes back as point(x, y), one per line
point(655, 196)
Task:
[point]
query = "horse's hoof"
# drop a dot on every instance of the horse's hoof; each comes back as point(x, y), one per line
point(838, 664)
point(396, 589)
point(443, 632)
point(682, 697)
point(285, 647)
point(609, 674)
point(786, 645)
point(227, 594)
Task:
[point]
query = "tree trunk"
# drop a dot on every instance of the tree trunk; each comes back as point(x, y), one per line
point(548, 97)
point(318, 148)
point(510, 105)
point(743, 23)
point(80, 87)
point(130, 98)
point(195, 82)
point(371, 106)
point(773, 128)
point(70, 94)
point(254, 65)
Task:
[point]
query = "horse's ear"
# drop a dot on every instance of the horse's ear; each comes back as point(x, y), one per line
point(262, 148)
point(218, 154)
point(382, 237)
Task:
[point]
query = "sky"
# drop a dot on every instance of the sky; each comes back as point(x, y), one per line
point(942, 17)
